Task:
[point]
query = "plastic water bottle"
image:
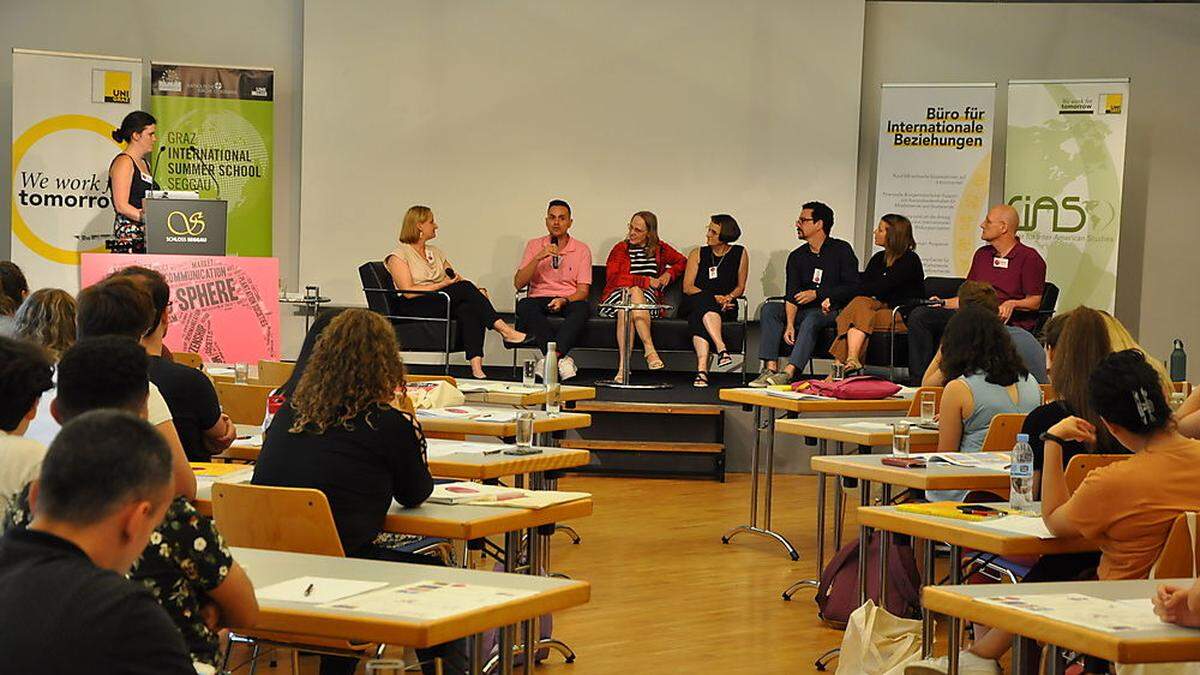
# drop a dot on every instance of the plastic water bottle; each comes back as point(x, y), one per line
point(550, 377)
point(1020, 473)
point(1178, 363)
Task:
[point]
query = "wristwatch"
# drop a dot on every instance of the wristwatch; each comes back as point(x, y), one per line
point(1047, 436)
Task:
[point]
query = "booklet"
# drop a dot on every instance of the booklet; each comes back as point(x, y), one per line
point(429, 599)
point(497, 495)
point(316, 590)
point(465, 412)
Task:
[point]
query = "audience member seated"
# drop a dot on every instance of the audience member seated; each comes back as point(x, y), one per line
point(640, 265)
point(1016, 271)
point(339, 433)
point(557, 268)
point(893, 276)
point(13, 289)
point(195, 411)
point(47, 318)
point(417, 265)
point(985, 378)
point(1126, 508)
point(25, 375)
point(288, 388)
point(1028, 348)
point(186, 565)
point(104, 486)
point(1178, 605)
point(715, 277)
point(821, 276)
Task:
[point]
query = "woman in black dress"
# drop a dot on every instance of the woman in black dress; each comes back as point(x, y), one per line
point(129, 177)
point(714, 279)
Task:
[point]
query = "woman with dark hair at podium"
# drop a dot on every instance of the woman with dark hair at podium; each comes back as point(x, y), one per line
point(129, 177)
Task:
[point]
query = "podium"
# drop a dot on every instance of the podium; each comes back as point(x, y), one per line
point(185, 226)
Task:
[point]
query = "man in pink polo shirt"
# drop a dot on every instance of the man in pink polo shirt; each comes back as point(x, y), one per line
point(1016, 271)
point(557, 268)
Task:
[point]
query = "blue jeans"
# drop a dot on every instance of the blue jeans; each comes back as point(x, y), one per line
point(809, 322)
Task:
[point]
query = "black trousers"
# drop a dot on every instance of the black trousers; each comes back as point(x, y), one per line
point(471, 308)
point(532, 318)
point(694, 307)
point(925, 328)
point(453, 654)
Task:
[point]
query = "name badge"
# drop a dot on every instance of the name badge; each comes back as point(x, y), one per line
point(817, 274)
point(712, 272)
point(429, 256)
point(1001, 263)
point(146, 179)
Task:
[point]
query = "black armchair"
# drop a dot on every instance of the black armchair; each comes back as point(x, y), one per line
point(415, 333)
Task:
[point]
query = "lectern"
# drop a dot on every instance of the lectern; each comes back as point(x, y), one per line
point(185, 226)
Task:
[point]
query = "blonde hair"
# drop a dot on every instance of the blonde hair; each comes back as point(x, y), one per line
point(409, 233)
point(1120, 340)
point(47, 317)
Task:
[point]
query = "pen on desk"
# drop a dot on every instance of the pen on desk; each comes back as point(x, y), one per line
point(308, 591)
point(493, 452)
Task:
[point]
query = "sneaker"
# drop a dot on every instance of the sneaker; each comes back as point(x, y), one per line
point(566, 368)
point(968, 664)
point(539, 370)
point(763, 379)
point(775, 379)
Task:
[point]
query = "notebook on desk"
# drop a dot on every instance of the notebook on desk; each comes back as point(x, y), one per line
point(498, 495)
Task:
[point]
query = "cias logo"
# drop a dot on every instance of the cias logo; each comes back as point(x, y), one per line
point(180, 224)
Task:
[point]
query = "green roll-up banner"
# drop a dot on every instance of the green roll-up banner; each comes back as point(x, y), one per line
point(216, 125)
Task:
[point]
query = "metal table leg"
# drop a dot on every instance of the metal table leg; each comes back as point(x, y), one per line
point(927, 579)
point(952, 625)
point(864, 537)
point(1022, 650)
point(755, 462)
point(885, 541)
point(512, 551)
point(822, 447)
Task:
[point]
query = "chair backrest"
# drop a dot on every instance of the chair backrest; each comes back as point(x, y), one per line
point(274, 373)
point(1048, 393)
point(1049, 302)
point(297, 520)
point(1178, 556)
point(244, 403)
point(189, 359)
point(943, 287)
point(1002, 432)
point(914, 410)
point(1081, 465)
point(378, 288)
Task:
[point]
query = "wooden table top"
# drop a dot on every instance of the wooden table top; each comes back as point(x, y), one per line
point(760, 397)
point(1163, 644)
point(935, 477)
point(517, 394)
point(967, 533)
point(542, 423)
point(464, 521)
point(266, 568)
point(868, 431)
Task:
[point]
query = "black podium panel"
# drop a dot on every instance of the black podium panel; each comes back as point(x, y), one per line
point(186, 226)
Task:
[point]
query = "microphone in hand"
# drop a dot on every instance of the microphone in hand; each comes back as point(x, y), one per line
point(450, 273)
point(554, 258)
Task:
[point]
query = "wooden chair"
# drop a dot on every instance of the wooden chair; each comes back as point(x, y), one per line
point(1178, 558)
point(244, 403)
point(1081, 465)
point(1002, 432)
point(1048, 393)
point(274, 373)
point(914, 410)
point(189, 359)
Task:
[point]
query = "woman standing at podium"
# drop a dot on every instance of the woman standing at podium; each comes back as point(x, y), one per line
point(129, 177)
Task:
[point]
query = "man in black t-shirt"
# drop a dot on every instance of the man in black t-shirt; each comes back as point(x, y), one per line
point(103, 488)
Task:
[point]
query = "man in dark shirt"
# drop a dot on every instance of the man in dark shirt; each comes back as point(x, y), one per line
point(103, 488)
point(822, 275)
point(1016, 271)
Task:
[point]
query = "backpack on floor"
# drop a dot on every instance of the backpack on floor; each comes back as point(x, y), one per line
point(837, 594)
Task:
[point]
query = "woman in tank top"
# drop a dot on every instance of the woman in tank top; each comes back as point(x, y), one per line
point(129, 177)
point(714, 279)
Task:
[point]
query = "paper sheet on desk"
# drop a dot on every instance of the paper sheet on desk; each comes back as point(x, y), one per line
point(463, 412)
point(324, 589)
point(477, 386)
point(440, 447)
point(869, 426)
point(1085, 610)
point(429, 599)
point(998, 461)
point(251, 441)
point(798, 395)
point(1030, 526)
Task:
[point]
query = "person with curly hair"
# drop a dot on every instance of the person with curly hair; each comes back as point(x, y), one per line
point(47, 318)
point(339, 433)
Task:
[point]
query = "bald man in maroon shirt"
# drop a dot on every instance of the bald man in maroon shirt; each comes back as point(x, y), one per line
point(1016, 271)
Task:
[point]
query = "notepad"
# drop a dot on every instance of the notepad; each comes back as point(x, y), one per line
point(316, 590)
point(429, 599)
point(439, 447)
point(498, 495)
point(1031, 526)
point(869, 426)
point(942, 510)
point(463, 412)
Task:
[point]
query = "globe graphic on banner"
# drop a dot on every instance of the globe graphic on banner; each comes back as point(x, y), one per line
point(227, 130)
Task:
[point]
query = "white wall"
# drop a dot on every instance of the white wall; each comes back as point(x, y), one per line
point(1157, 45)
point(484, 111)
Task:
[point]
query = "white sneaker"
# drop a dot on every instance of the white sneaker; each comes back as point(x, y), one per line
point(566, 368)
point(539, 370)
point(968, 664)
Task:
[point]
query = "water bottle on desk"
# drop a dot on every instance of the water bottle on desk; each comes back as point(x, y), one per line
point(550, 377)
point(1020, 473)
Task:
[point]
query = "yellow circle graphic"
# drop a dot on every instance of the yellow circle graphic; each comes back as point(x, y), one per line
point(31, 136)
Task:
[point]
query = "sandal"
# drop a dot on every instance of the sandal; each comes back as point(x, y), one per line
point(701, 379)
point(653, 362)
point(724, 360)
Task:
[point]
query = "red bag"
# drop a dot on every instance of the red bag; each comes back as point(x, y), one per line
point(856, 388)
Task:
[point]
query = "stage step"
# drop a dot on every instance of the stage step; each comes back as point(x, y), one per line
point(643, 446)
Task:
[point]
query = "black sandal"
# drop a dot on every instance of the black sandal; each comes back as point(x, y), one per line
point(701, 379)
point(724, 360)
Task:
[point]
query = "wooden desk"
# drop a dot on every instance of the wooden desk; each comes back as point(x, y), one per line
point(542, 423)
point(1165, 643)
point(844, 430)
point(760, 400)
point(871, 468)
point(465, 522)
point(515, 394)
point(270, 567)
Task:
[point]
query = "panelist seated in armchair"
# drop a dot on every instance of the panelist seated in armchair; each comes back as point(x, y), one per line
point(416, 265)
point(642, 265)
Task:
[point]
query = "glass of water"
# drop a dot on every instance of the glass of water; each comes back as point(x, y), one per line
point(839, 371)
point(928, 407)
point(529, 373)
point(525, 429)
point(241, 373)
point(900, 438)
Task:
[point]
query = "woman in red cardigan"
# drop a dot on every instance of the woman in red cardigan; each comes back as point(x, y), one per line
point(644, 265)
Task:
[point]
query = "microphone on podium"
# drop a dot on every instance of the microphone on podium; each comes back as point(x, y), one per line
point(154, 171)
point(206, 165)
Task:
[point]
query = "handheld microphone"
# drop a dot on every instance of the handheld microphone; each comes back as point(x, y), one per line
point(206, 165)
point(554, 259)
point(450, 273)
point(154, 171)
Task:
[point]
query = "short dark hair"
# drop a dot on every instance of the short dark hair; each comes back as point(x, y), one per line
point(976, 342)
point(730, 232)
point(153, 283)
point(979, 293)
point(25, 373)
point(13, 287)
point(116, 306)
point(821, 212)
point(133, 123)
point(1125, 390)
point(558, 202)
point(102, 372)
point(99, 461)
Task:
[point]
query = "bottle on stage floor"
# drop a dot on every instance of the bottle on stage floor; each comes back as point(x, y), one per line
point(550, 377)
point(1020, 473)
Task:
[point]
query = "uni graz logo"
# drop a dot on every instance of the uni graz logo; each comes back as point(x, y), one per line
point(180, 224)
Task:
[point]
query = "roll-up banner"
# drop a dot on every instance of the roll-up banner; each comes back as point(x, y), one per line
point(934, 167)
point(65, 107)
point(216, 123)
point(1064, 171)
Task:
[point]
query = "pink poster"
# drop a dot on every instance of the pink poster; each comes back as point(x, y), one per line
point(224, 308)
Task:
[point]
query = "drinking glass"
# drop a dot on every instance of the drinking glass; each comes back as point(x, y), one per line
point(529, 373)
point(525, 429)
point(839, 371)
point(900, 438)
point(241, 373)
point(928, 407)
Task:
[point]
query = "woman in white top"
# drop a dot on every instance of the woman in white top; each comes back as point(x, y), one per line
point(415, 265)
